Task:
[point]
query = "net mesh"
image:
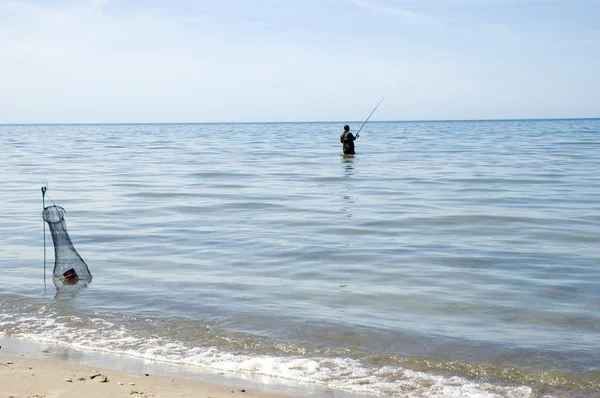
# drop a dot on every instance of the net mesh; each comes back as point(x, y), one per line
point(69, 267)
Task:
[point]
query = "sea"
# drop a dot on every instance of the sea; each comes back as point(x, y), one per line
point(444, 259)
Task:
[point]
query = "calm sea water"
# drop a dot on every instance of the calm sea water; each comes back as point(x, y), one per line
point(444, 259)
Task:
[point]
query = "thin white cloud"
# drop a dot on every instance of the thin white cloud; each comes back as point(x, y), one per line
point(484, 3)
point(387, 9)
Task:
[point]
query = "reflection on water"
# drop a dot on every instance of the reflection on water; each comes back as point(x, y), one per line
point(348, 163)
point(348, 203)
point(68, 291)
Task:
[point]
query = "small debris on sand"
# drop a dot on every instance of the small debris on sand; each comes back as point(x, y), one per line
point(100, 378)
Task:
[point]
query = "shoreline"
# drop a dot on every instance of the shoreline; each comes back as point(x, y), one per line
point(31, 369)
point(26, 377)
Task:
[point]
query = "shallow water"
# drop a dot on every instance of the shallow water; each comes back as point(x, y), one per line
point(444, 259)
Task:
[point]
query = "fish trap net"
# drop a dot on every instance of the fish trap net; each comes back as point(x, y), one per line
point(69, 267)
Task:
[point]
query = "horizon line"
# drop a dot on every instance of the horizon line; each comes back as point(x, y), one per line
point(301, 122)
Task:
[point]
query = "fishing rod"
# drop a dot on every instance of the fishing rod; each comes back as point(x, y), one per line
point(373, 111)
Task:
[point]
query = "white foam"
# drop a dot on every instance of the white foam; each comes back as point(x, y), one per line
point(338, 373)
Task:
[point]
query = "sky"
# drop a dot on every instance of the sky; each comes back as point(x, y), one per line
point(179, 61)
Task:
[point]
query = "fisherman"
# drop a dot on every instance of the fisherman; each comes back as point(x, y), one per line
point(347, 140)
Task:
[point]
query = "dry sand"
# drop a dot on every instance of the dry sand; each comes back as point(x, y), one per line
point(22, 377)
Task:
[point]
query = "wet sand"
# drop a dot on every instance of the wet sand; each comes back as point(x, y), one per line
point(22, 377)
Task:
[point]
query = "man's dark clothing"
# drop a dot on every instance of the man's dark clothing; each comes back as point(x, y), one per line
point(347, 140)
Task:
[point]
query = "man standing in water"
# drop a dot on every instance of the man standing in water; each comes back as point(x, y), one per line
point(347, 140)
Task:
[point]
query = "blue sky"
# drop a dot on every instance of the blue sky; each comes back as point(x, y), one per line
point(297, 60)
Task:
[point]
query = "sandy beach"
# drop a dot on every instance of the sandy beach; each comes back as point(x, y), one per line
point(22, 377)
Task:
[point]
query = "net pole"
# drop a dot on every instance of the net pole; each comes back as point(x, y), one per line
point(44, 226)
